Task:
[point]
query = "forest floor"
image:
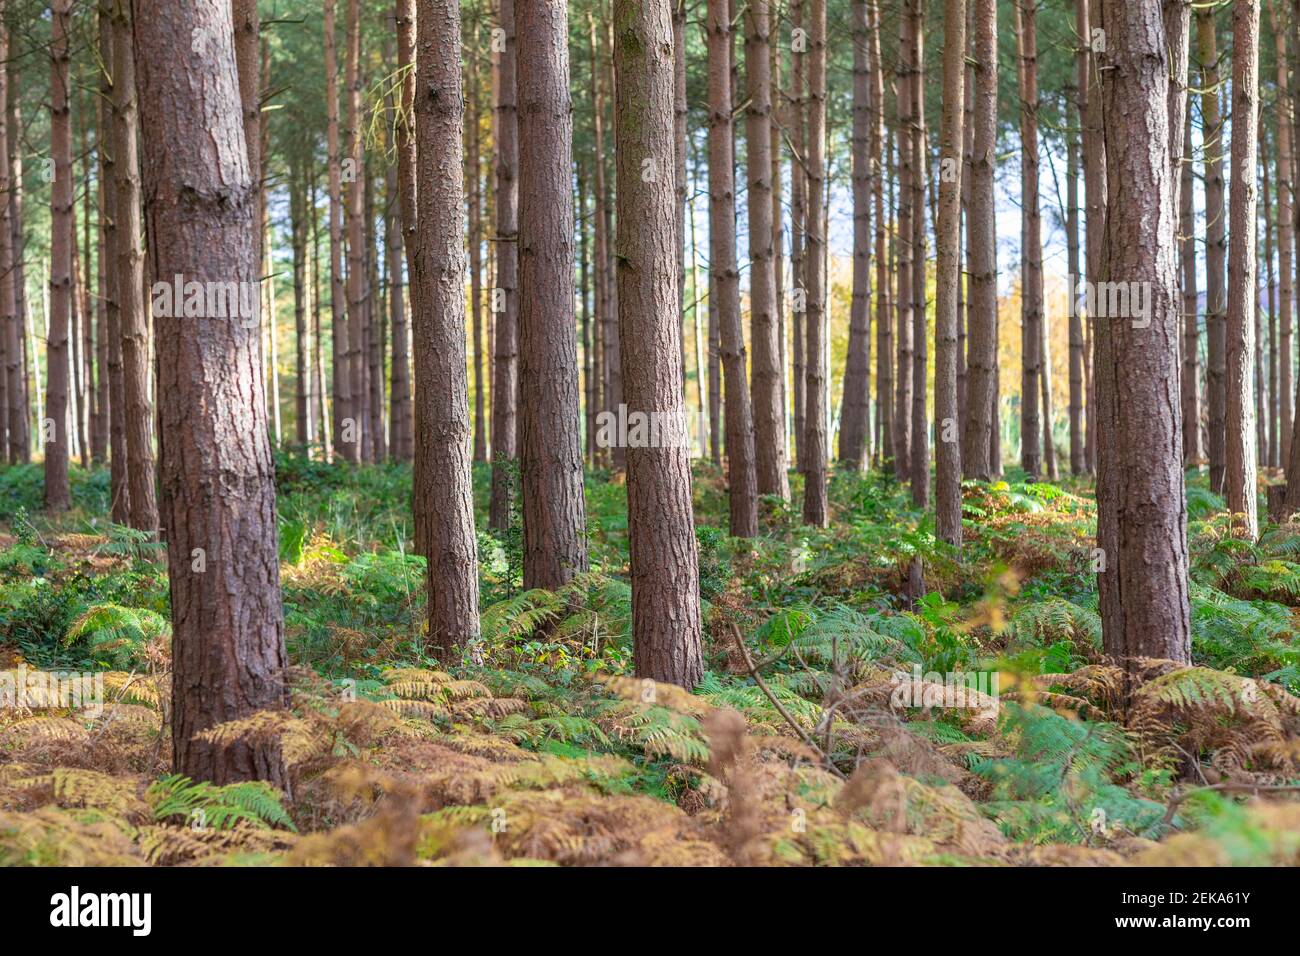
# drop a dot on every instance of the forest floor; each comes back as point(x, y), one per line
point(541, 748)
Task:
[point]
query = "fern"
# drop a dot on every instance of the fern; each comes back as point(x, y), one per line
point(205, 805)
point(118, 634)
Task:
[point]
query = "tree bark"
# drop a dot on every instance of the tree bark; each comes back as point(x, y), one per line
point(346, 438)
point(58, 435)
point(947, 450)
point(549, 442)
point(903, 243)
point(1142, 512)
point(1286, 227)
point(1191, 381)
point(218, 483)
point(10, 347)
point(505, 391)
point(438, 333)
point(358, 284)
point(1031, 253)
point(920, 444)
point(16, 377)
point(884, 308)
point(815, 504)
point(726, 278)
point(769, 416)
point(1215, 251)
point(661, 531)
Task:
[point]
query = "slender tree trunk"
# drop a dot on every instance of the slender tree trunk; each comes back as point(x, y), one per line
point(920, 450)
point(681, 113)
point(661, 532)
point(884, 313)
point(947, 450)
point(134, 319)
point(407, 188)
point(474, 202)
point(218, 487)
point(1142, 513)
point(1269, 409)
point(549, 443)
point(358, 285)
point(1286, 224)
point(815, 505)
point(798, 216)
point(776, 130)
point(726, 278)
point(1078, 462)
point(1031, 253)
point(1215, 251)
point(907, 122)
point(982, 342)
point(505, 392)
point(769, 417)
point(119, 489)
point(855, 411)
point(1191, 381)
point(11, 368)
point(346, 439)
point(1243, 292)
point(16, 378)
point(1094, 180)
point(56, 426)
point(298, 230)
point(441, 386)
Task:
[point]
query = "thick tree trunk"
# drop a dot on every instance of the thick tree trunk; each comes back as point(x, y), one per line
point(769, 416)
point(1216, 246)
point(58, 437)
point(549, 442)
point(438, 328)
point(218, 487)
point(947, 449)
point(1142, 512)
point(726, 278)
point(855, 411)
point(815, 504)
point(661, 531)
point(1031, 253)
point(505, 391)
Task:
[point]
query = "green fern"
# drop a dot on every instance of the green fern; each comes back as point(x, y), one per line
point(117, 634)
point(220, 808)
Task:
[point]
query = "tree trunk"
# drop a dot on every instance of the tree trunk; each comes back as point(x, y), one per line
point(57, 433)
point(444, 487)
point(1078, 461)
point(549, 442)
point(11, 369)
point(856, 402)
point(1142, 512)
point(815, 505)
point(1191, 381)
point(920, 445)
point(16, 377)
point(1215, 250)
point(903, 243)
point(982, 343)
point(798, 216)
point(358, 285)
point(947, 450)
point(884, 310)
point(726, 278)
point(474, 204)
point(661, 531)
point(769, 416)
point(346, 439)
point(1286, 227)
point(218, 483)
point(505, 391)
point(1031, 253)
point(407, 187)
point(298, 231)
point(1094, 181)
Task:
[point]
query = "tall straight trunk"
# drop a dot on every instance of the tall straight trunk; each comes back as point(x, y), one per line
point(1268, 373)
point(681, 113)
point(1031, 253)
point(320, 405)
point(1078, 462)
point(769, 416)
point(815, 505)
point(1286, 223)
point(982, 342)
point(587, 293)
point(1095, 187)
point(549, 443)
point(611, 372)
point(776, 130)
point(247, 26)
point(358, 285)
point(855, 411)
point(666, 628)
point(399, 409)
point(120, 493)
point(798, 216)
point(742, 479)
point(407, 187)
point(1142, 512)
point(301, 340)
point(1215, 251)
point(57, 433)
point(612, 342)
point(701, 333)
point(377, 316)
point(903, 243)
point(474, 203)
point(1243, 291)
point(1260, 362)
point(10, 347)
point(346, 440)
point(92, 307)
point(218, 481)
point(1191, 380)
point(505, 381)
point(441, 386)
point(963, 280)
point(16, 378)
point(920, 445)
point(136, 410)
point(947, 449)
point(884, 322)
